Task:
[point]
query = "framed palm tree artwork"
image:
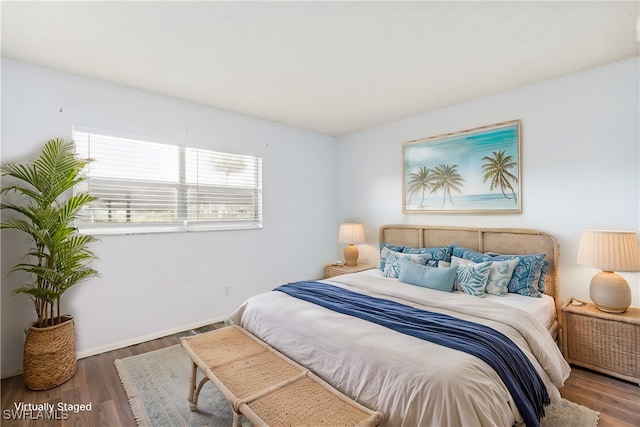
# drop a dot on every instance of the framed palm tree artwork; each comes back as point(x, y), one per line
point(476, 170)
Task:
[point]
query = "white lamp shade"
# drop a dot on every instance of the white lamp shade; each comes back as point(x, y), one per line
point(351, 233)
point(609, 250)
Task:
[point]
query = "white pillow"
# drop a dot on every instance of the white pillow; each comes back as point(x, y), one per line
point(500, 274)
point(471, 278)
point(393, 258)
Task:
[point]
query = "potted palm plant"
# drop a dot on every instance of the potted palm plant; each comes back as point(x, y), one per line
point(58, 257)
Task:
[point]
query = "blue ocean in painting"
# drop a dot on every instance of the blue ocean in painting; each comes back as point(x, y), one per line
point(492, 201)
point(467, 161)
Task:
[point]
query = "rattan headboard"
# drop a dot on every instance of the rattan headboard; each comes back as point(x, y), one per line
point(500, 240)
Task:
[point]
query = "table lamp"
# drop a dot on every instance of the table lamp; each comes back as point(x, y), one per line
point(351, 234)
point(609, 251)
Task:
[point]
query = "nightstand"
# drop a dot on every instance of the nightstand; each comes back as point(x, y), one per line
point(604, 342)
point(337, 270)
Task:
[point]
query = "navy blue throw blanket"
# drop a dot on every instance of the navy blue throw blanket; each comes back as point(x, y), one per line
point(510, 363)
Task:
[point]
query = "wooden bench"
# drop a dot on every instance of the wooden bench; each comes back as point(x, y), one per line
point(265, 386)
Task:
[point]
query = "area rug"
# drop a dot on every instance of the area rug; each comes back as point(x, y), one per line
point(157, 385)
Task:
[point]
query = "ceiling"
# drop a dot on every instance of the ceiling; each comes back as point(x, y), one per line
point(329, 67)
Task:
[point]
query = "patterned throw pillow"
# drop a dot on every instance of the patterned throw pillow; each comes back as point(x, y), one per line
point(526, 275)
point(393, 258)
point(437, 254)
point(472, 278)
point(499, 274)
point(542, 283)
point(396, 248)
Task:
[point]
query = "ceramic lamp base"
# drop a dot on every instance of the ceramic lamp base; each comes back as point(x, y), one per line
point(351, 255)
point(610, 292)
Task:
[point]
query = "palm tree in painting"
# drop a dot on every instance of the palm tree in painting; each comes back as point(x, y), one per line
point(419, 182)
point(446, 178)
point(496, 169)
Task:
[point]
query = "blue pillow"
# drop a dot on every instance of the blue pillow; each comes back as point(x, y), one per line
point(437, 254)
point(458, 251)
point(542, 284)
point(440, 279)
point(526, 275)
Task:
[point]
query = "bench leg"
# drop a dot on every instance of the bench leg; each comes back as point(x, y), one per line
point(193, 400)
point(237, 419)
point(194, 392)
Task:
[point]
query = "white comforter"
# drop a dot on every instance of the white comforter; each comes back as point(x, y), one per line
point(412, 381)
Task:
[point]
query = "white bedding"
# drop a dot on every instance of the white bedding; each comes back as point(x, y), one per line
point(412, 381)
point(542, 309)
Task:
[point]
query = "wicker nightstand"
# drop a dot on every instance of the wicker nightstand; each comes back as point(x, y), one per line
point(336, 270)
point(605, 342)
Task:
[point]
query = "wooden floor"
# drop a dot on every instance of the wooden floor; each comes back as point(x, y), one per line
point(97, 382)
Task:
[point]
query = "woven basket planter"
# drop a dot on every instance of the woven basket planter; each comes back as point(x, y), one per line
point(50, 355)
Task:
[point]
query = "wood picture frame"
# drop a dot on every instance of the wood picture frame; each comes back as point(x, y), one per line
point(471, 171)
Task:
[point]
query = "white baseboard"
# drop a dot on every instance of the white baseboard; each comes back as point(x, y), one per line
point(137, 340)
point(149, 337)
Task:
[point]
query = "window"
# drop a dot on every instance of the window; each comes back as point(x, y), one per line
point(148, 186)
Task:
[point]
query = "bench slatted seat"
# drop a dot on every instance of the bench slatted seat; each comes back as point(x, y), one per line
point(266, 386)
point(237, 364)
point(322, 406)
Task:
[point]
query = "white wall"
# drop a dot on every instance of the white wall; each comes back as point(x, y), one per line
point(158, 283)
point(580, 164)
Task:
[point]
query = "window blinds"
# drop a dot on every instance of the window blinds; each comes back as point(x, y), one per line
point(145, 186)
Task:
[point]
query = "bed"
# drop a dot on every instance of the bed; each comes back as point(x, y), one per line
point(416, 381)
